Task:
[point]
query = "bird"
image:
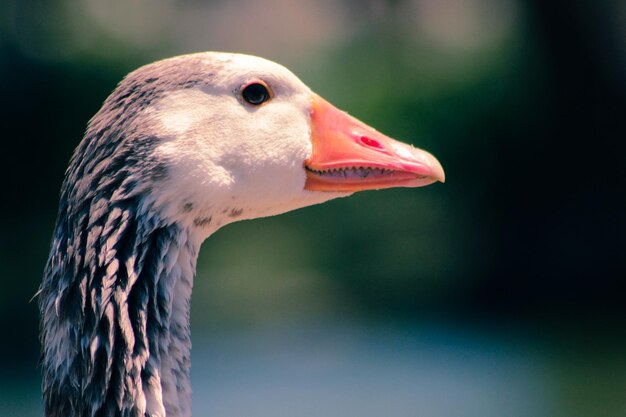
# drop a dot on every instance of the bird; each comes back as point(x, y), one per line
point(181, 148)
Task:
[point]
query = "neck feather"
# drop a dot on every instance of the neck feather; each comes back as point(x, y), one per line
point(115, 313)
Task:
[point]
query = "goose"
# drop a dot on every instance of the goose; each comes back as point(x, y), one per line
point(180, 148)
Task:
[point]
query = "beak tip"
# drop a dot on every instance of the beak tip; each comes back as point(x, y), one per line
point(441, 177)
point(437, 170)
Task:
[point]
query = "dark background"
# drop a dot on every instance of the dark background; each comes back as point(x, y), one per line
point(524, 247)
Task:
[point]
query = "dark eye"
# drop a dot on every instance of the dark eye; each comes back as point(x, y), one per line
point(255, 93)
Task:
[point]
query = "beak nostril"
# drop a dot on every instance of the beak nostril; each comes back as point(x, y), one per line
point(373, 143)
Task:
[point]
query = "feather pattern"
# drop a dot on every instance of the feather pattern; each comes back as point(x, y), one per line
point(109, 322)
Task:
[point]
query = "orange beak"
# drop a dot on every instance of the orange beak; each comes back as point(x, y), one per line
point(348, 155)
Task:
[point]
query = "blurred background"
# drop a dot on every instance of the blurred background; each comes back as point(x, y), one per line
point(499, 293)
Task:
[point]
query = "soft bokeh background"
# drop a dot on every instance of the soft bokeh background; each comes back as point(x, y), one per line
point(500, 293)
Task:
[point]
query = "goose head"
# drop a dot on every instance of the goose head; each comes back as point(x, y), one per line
point(180, 148)
point(248, 139)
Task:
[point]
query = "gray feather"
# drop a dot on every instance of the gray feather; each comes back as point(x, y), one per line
point(106, 297)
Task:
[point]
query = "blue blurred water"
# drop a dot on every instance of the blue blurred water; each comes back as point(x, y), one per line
point(363, 371)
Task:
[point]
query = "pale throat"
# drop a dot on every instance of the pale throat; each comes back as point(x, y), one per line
point(172, 394)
